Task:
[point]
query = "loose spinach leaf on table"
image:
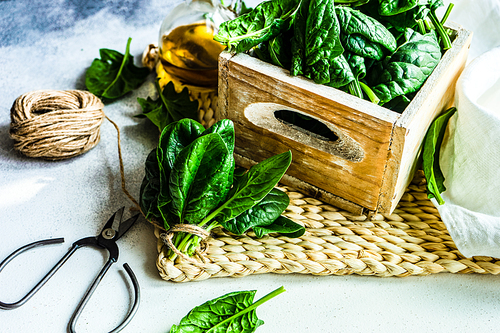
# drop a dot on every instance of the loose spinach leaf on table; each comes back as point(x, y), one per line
point(430, 155)
point(265, 21)
point(170, 106)
point(230, 313)
point(114, 74)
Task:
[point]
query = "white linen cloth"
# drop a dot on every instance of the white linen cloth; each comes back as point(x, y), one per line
point(470, 160)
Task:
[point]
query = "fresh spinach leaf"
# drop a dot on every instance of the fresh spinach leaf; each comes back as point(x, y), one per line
point(225, 128)
point(199, 178)
point(114, 74)
point(150, 187)
point(183, 133)
point(230, 313)
point(262, 52)
point(393, 7)
point(353, 21)
point(263, 213)
point(430, 154)
point(298, 42)
point(253, 186)
point(322, 39)
point(169, 107)
point(360, 45)
point(421, 50)
point(280, 50)
point(407, 69)
point(340, 72)
point(265, 21)
point(282, 225)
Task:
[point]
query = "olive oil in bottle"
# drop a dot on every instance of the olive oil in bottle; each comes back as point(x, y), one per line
point(190, 55)
point(188, 52)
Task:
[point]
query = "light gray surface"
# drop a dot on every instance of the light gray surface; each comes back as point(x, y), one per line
point(49, 45)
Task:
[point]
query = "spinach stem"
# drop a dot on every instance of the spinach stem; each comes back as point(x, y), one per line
point(445, 39)
point(261, 301)
point(447, 13)
point(355, 89)
point(421, 26)
point(186, 243)
point(369, 92)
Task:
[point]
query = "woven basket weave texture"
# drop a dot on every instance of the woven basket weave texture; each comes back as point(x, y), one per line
point(411, 241)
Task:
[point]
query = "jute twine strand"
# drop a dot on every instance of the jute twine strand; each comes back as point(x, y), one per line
point(186, 228)
point(54, 124)
point(411, 241)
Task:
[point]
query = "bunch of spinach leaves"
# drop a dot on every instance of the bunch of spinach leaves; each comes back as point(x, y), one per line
point(114, 74)
point(190, 178)
point(381, 50)
point(234, 312)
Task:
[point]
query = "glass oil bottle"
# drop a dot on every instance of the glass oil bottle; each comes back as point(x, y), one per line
point(187, 51)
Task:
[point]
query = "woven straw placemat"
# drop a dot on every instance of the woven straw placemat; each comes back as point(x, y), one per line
point(411, 241)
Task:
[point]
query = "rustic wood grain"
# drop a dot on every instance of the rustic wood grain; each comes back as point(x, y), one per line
point(374, 158)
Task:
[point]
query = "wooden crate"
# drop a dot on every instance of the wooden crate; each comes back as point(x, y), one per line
point(374, 158)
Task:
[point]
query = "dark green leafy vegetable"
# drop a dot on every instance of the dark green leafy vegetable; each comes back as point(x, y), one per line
point(322, 39)
point(170, 106)
point(114, 74)
point(430, 154)
point(232, 313)
point(298, 43)
point(407, 69)
point(199, 178)
point(194, 182)
point(252, 187)
point(265, 21)
point(363, 47)
point(282, 225)
point(355, 22)
point(367, 48)
point(280, 50)
point(262, 214)
point(393, 7)
point(150, 188)
point(340, 72)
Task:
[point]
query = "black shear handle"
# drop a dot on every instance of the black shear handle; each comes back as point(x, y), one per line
point(90, 241)
point(93, 287)
point(10, 306)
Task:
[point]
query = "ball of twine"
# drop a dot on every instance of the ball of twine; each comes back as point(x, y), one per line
point(54, 124)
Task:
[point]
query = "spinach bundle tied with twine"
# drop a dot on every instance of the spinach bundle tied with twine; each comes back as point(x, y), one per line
point(191, 186)
point(379, 50)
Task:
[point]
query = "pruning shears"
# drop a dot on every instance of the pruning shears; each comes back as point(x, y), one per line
point(106, 239)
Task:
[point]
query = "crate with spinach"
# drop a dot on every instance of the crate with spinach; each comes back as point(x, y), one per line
point(380, 50)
